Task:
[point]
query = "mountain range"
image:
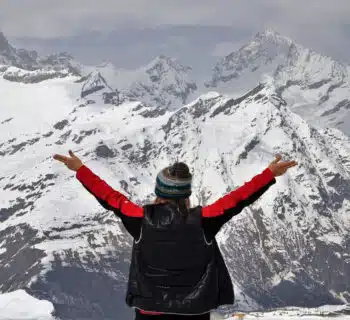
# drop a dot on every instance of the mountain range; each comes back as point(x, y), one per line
point(290, 248)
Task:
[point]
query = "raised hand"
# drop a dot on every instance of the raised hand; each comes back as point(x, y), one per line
point(72, 162)
point(279, 168)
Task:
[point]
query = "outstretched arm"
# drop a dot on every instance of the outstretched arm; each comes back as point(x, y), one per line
point(221, 211)
point(110, 199)
point(243, 193)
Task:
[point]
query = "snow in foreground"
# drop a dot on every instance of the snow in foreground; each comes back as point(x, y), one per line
point(325, 312)
point(18, 305)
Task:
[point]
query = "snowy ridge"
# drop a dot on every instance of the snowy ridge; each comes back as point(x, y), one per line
point(15, 74)
point(315, 86)
point(94, 83)
point(55, 238)
point(262, 54)
point(163, 84)
point(303, 220)
point(167, 81)
point(20, 65)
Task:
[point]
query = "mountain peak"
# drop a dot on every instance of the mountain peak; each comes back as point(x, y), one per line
point(272, 34)
point(165, 63)
point(4, 44)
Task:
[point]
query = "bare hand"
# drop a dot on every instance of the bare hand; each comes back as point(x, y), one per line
point(280, 168)
point(72, 162)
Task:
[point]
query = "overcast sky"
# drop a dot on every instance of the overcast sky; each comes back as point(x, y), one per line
point(323, 25)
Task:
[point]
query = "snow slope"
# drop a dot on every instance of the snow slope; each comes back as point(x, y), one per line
point(164, 83)
point(19, 305)
point(315, 86)
point(290, 248)
point(324, 312)
point(288, 235)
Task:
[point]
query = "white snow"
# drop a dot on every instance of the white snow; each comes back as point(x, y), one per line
point(19, 305)
point(224, 151)
point(34, 107)
point(218, 143)
point(324, 312)
point(313, 84)
point(164, 82)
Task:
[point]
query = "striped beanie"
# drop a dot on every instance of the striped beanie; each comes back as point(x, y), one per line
point(174, 182)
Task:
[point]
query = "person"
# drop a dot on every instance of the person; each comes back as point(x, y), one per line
point(177, 270)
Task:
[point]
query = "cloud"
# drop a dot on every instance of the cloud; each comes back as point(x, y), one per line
point(43, 18)
point(322, 25)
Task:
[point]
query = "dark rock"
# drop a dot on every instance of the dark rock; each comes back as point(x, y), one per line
point(138, 107)
point(115, 98)
point(61, 124)
point(46, 135)
point(329, 91)
point(289, 83)
point(319, 84)
point(153, 113)
point(6, 120)
point(20, 262)
point(64, 137)
point(20, 146)
point(233, 102)
point(92, 90)
point(223, 108)
point(104, 151)
point(20, 205)
point(33, 78)
point(84, 134)
point(126, 146)
point(342, 104)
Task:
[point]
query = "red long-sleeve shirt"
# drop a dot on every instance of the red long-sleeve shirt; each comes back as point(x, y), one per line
point(214, 215)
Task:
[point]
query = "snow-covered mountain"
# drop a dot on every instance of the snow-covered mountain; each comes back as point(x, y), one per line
point(290, 248)
point(20, 65)
point(315, 86)
point(163, 84)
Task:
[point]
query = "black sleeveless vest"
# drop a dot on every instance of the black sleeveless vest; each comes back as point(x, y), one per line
point(173, 268)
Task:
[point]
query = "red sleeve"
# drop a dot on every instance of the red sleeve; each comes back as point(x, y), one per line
point(100, 189)
point(230, 200)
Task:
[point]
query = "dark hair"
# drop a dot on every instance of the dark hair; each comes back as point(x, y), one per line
point(180, 170)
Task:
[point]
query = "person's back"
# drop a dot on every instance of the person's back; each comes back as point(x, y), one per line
point(172, 262)
point(177, 270)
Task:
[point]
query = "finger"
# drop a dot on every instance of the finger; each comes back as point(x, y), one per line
point(60, 158)
point(289, 164)
point(72, 154)
point(293, 164)
point(278, 158)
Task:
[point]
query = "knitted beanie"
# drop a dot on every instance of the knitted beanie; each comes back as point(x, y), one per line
point(174, 182)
